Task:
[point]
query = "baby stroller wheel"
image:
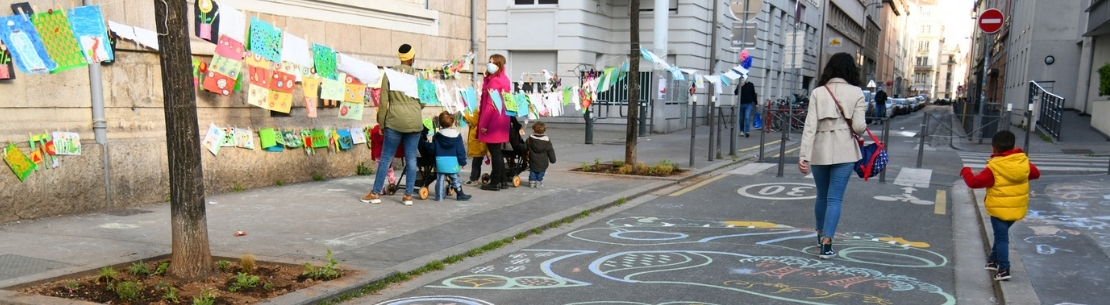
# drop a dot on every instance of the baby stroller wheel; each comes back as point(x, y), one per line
point(485, 178)
point(516, 181)
point(391, 189)
point(423, 193)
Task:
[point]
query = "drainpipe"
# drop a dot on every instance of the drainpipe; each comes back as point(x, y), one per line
point(100, 125)
point(473, 41)
point(662, 29)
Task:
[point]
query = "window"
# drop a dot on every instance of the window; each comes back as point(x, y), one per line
point(645, 6)
point(922, 61)
point(534, 2)
point(923, 46)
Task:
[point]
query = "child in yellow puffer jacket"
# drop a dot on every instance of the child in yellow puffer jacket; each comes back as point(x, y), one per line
point(1006, 179)
point(474, 148)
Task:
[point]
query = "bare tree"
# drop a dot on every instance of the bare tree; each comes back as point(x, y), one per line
point(633, 83)
point(190, 258)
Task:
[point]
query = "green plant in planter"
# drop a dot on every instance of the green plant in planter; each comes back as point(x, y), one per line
point(1104, 80)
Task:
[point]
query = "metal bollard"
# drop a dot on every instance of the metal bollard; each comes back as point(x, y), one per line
point(921, 146)
point(589, 127)
point(732, 136)
point(782, 145)
point(763, 136)
point(886, 139)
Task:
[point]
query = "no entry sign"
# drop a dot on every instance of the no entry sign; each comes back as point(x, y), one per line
point(991, 21)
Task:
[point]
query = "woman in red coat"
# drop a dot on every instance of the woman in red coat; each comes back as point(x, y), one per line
point(493, 123)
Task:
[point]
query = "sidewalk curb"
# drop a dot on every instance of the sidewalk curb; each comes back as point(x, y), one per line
point(1019, 289)
point(369, 277)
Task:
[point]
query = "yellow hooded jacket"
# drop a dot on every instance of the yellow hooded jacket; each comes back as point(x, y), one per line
point(474, 148)
point(1008, 199)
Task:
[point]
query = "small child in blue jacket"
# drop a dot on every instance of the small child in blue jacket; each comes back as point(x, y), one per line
point(450, 154)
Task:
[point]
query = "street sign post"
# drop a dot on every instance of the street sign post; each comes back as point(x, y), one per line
point(991, 20)
point(745, 10)
point(743, 35)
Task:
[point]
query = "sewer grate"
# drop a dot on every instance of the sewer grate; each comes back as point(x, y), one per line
point(13, 266)
point(1077, 151)
point(126, 212)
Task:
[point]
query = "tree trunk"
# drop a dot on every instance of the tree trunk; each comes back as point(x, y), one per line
point(633, 83)
point(190, 258)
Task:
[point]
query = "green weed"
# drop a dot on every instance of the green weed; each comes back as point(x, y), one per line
point(326, 272)
point(139, 269)
point(107, 274)
point(223, 265)
point(243, 280)
point(128, 290)
point(207, 297)
point(363, 170)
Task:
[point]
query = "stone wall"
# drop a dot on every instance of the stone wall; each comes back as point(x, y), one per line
point(136, 121)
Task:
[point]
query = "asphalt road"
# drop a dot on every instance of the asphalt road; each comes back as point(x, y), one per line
point(741, 236)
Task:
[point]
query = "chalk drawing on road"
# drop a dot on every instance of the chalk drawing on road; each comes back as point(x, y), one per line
point(1049, 250)
point(638, 303)
point(116, 225)
point(436, 300)
point(906, 196)
point(779, 191)
point(525, 273)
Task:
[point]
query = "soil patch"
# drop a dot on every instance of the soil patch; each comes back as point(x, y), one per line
point(273, 279)
point(664, 169)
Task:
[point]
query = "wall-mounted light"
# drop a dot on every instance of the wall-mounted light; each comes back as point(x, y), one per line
point(1048, 60)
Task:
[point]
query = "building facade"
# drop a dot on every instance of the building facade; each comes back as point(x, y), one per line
point(928, 45)
point(439, 30)
point(1042, 39)
point(1095, 55)
point(890, 68)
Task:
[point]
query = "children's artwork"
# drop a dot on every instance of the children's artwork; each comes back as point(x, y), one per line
point(351, 111)
point(495, 97)
point(281, 87)
point(267, 137)
point(566, 95)
point(345, 141)
point(24, 42)
point(244, 138)
point(265, 40)
point(260, 72)
point(358, 135)
point(324, 60)
point(206, 20)
point(471, 98)
point(87, 23)
point(402, 82)
point(67, 143)
point(213, 139)
point(510, 101)
point(332, 89)
point(223, 72)
point(228, 138)
point(353, 90)
point(295, 49)
point(319, 138)
point(7, 65)
point(233, 23)
point(292, 139)
point(57, 37)
point(20, 164)
point(365, 72)
point(429, 125)
point(427, 91)
point(311, 86)
point(522, 104)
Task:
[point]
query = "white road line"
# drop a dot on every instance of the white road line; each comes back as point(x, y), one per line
point(751, 169)
point(914, 177)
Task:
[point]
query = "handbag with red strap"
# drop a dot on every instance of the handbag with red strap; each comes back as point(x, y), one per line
point(874, 154)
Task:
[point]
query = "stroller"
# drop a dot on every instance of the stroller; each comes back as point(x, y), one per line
point(425, 164)
point(515, 153)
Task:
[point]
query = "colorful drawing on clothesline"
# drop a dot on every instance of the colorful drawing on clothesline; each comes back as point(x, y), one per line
point(510, 102)
point(324, 59)
point(281, 87)
point(20, 164)
point(358, 135)
point(67, 143)
point(260, 71)
point(267, 138)
point(471, 97)
point(244, 138)
point(319, 138)
point(26, 46)
point(7, 65)
point(87, 24)
point(292, 139)
point(495, 97)
point(351, 111)
point(228, 138)
point(567, 96)
point(223, 71)
point(331, 91)
point(522, 104)
point(265, 40)
point(57, 37)
point(353, 90)
point(310, 83)
point(427, 91)
point(428, 124)
point(197, 73)
point(206, 20)
point(212, 139)
point(345, 139)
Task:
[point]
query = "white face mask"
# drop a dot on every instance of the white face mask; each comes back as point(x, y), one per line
point(491, 68)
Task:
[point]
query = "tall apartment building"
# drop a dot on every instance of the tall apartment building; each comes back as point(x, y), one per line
point(891, 64)
point(950, 72)
point(929, 43)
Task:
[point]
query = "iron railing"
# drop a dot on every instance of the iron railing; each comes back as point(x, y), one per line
point(1050, 109)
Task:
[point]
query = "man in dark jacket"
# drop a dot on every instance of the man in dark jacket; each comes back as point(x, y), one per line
point(540, 154)
point(748, 99)
point(880, 106)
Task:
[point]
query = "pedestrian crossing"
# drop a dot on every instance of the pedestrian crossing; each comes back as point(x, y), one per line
point(1046, 163)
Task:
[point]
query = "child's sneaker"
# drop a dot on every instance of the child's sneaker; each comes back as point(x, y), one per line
point(1003, 274)
point(991, 265)
point(470, 182)
point(532, 184)
point(539, 184)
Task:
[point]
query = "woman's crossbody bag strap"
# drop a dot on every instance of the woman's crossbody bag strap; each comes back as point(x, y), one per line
point(841, 110)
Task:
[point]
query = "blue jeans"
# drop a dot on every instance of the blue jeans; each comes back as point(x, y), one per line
point(536, 176)
point(832, 181)
point(456, 184)
point(1000, 251)
point(746, 117)
point(389, 149)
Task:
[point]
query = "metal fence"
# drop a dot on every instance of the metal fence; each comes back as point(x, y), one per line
point(1050, 109)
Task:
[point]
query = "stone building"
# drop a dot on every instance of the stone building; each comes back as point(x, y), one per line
point(440, 31)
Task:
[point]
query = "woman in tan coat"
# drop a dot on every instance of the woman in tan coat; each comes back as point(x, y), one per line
point(829, 145)
point(474, 148)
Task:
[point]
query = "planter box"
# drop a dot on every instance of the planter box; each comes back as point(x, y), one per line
point(1100, 116)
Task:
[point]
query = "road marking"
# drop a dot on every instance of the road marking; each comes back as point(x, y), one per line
point(788, 151)
point(751, 169)
point(757, 146)
point(914, 177)
point(695, 186)
point(779, 191)
point(941, 202)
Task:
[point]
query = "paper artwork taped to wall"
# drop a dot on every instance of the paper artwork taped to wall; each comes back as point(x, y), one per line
point(345, 139)
point(267, 137)
point(206, 20)
point(292, 139)
point(265, 40)
point(20, 164)
point(212, 139)
point(228, 138)
point(351, 111)
point(24, 42)
point(358, 135)
point(244, 138)
point(87, 23)
point(319, 138)
point(223, 71)
point(281, 87)
point(324, 59)
point(67, 143)
point(57, 37)
point(7, 65)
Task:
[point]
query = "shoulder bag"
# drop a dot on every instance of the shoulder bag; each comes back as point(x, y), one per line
point(874, 154)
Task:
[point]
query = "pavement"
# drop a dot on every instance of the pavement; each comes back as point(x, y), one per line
point(297, 223)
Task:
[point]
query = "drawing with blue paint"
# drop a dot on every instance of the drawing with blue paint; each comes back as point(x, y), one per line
point(87, 23)
point(25, 45)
